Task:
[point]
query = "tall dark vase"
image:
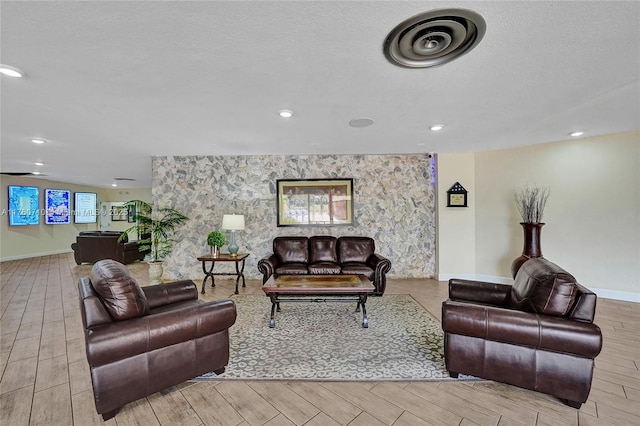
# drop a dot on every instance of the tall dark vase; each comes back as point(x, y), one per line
point(531, 248)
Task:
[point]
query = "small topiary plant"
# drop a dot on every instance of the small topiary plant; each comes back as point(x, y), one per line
point(216, 239)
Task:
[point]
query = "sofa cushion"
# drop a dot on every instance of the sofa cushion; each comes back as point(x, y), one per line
point(355, 249)
point(122, 296)
point(322, 248)
point(358, 269)
point(324, 268)
point(543, 287)
point(291, 249)
point(292, 268)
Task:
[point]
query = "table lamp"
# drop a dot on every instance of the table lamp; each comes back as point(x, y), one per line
point(233, 223)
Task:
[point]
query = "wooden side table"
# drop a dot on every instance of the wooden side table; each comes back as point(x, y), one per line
point(223, 257)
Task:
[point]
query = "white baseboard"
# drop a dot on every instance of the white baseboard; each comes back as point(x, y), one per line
point(30, 255)
point(617, 295)
point(476, 277)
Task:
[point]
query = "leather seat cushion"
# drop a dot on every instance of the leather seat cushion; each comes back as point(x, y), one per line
point(359, 269)
point(118, 290)
point(292, 269)
point(543, 287)
point(322, 268)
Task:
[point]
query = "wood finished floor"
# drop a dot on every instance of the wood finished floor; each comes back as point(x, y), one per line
point(45, 376)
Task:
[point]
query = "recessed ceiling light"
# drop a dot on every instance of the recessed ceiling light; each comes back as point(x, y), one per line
point(35, 173)
point(38, 163)
point(114, 184)
point(437, 127)
point(38, 141)
point(285, 113)
point(10, 71)
point(361, 122)
point(576, 134)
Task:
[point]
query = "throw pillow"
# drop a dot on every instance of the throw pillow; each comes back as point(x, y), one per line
point(543, 287)
point(122, 296)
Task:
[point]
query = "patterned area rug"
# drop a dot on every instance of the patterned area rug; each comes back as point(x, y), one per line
point(326, 341)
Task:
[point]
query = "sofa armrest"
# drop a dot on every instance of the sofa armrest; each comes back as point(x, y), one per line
point(164, 294)
point(378, 262)
point(76, 253)
point(520, 328)
point(131, 245)
point(380, 265)
point(125, 339)
point(93, 311)
point(267, 265)
point(479, 291)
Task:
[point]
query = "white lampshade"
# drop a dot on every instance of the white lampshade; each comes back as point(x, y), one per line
point(233, 222)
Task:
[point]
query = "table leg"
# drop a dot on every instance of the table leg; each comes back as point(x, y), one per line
point(239, 274)
point(208, 274)
point(365, 320)
point(274, 302)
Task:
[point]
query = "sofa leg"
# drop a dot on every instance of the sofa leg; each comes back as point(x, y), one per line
point(453, 374)
point(110, 414)
point(572, 404)
point(219, 371)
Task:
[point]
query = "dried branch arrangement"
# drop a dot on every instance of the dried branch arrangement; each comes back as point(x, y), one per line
point(531, 202)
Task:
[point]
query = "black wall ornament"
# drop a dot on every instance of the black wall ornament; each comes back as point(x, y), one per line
point(457, 196)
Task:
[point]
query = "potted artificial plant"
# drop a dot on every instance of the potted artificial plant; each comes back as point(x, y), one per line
point(530, 202)
point(215, 240)
point(154, 227)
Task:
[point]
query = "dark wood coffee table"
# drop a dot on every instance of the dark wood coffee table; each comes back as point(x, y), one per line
point(318, 288)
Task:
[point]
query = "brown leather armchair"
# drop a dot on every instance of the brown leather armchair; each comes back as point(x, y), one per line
point(140, 340)
point(537, 334)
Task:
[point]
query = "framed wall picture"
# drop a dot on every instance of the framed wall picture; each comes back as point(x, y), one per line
point(85, 207)
point(24, 205)
point(132, 213)
point(57, 205)
point(119, 214)
point(314, 202)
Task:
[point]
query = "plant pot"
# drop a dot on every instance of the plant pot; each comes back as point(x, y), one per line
point(214, 251)
point(155, 272)
point(531, 247)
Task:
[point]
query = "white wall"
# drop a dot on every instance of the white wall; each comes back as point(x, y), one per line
point(17, 242)
point(592, 216)
point(455, 231)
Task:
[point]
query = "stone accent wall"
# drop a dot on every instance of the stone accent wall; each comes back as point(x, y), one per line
point(394, 202)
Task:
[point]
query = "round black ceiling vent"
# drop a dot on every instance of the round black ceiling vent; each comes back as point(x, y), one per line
point(434, 38)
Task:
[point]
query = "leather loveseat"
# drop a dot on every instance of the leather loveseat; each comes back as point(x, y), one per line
point(537, 334)
point(91, 246)
point(323, 254)
point(141, 340)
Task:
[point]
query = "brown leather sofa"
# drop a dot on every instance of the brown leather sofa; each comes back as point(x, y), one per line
point(537, 334)
point(324, 254)
point(91, 246)
point(141, 340)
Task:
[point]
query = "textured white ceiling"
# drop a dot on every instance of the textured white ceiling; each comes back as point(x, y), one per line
point(110, 84)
